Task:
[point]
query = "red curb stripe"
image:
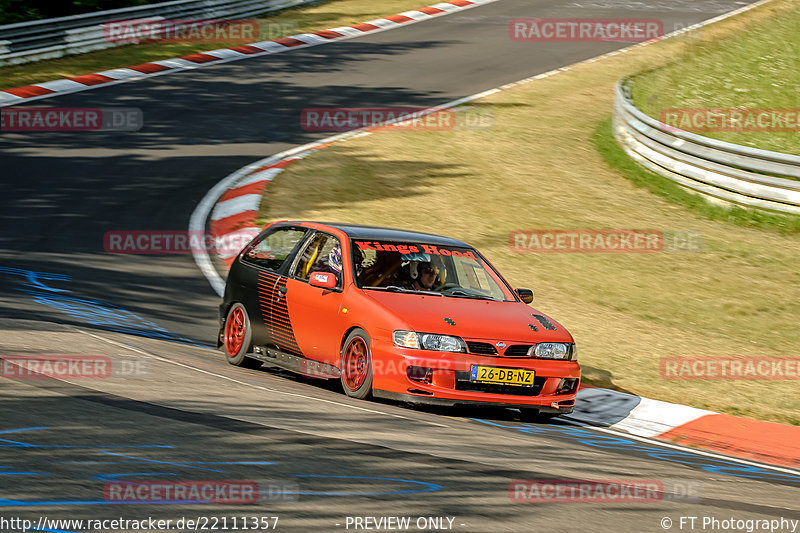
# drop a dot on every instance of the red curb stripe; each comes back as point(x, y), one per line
point(460, 3)
point(233, 222)
point(283, 164)
point(200, 58)
point(400, 19)
point(329, 34)
point(289, 41)
point(364, 26)
point(149, 68)
point(247, 49)
point(91, 79)
point(741, 437)
point(28, 91)
point(259, 169)
point(430, 10)
point(250, 188)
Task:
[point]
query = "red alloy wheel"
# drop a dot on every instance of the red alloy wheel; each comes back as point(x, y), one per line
point(356, 364)
point(235, 330)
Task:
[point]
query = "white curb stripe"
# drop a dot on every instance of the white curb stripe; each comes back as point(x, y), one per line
point(121, 74)
point(225, 53)
point(652, 418)
point(348, 31)
point(416, 15)
point(269, 46)
point(310, 38)
point(234, 206)
point(60, 85)
point(447, 7)
point(8, 97)
point(175, 63)
point(264, 175)
point(384, 23)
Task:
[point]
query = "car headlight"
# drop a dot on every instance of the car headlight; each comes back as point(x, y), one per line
point(442, 343)
point(428, 341)
point(553, 350)
point(406, 339)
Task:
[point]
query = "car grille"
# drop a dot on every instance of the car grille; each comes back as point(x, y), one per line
point(517, 350)
point(484, 348)
point(464, 384)
point(481, 348)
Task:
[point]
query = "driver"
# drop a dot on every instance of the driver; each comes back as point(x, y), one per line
point(423, 275)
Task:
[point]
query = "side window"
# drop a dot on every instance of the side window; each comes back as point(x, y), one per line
point(273, 249)
point(322, 254)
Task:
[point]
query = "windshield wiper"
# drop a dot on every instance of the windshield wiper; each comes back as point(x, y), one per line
point(396, 288)
point(474, 297)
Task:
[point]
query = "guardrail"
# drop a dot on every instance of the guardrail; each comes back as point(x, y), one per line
point(24, 42)
point(717, 169)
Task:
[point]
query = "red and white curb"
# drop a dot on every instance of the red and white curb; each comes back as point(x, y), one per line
point(9, 97)
point(768, 442)
point(231, 207)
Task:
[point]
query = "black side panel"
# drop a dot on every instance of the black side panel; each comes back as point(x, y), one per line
point(275, 312)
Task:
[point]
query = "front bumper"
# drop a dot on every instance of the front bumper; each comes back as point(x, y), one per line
point(449, 382)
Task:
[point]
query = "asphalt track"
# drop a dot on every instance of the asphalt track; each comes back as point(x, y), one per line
point(186, 414)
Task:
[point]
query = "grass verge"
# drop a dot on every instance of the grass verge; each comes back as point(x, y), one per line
point(323, 16)
point(754, 69)
point(537, 169)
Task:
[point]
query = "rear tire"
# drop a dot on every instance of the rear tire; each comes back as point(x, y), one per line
point(356, 365)
point(237, 337)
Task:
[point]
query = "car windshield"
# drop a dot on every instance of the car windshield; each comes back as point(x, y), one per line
point(456, 272)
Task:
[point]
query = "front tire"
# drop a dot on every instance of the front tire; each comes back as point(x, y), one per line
point(238, 336)
point(356, 365)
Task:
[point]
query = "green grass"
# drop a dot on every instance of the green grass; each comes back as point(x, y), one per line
point(754, 69)
point(538, 168)
point(325, 15)
point(613, 154)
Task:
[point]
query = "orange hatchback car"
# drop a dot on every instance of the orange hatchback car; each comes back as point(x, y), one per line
point(395, 314)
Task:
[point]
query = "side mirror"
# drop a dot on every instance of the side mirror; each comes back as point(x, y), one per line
point(324, 280)
point(526, 295)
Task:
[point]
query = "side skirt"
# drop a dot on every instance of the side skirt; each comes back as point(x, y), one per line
point(295, 363)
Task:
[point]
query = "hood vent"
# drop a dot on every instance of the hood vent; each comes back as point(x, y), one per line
point(534, 328)
point(544, 322)
point(450, 321)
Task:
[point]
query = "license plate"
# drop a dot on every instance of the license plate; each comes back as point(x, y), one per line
point(503, 376)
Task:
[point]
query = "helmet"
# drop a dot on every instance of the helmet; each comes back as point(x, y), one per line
point(414, 268)
point(335, 259)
